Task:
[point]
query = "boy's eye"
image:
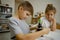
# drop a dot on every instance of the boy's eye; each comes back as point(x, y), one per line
point(27, 14)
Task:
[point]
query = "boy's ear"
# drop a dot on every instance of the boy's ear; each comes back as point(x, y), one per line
point(21, 8)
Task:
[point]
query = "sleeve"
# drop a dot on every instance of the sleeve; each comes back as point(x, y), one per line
point(13, 26)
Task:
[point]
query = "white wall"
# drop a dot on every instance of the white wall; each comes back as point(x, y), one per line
point(11, 4)
point(40, 5)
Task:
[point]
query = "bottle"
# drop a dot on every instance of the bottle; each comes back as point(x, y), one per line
point(39, 25)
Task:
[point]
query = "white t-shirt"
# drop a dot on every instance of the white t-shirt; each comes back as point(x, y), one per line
point(45, 22)
point(18, 26)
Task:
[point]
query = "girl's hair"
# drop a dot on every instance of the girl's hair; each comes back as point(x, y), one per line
point(26, 6)
point(50, 7)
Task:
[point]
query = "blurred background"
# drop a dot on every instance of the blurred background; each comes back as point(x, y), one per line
point(9, 7)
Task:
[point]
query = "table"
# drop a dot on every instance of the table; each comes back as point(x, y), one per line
point(51, 36)
point(55, 35)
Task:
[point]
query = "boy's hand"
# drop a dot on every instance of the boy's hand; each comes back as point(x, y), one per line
point(46, 30)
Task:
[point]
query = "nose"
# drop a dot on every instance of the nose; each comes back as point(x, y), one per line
point(49, 15)
point(26, 17)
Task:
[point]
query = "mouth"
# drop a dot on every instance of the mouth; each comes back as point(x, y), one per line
point(24, 18)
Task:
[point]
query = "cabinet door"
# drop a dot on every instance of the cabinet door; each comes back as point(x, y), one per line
point(5, 36)
point(58, 26)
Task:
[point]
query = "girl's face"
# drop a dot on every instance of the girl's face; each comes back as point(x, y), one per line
point(23, 14)
point(50, 14)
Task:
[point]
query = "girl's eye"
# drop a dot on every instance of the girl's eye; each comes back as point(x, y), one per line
point(51, 14)
point(48, 14)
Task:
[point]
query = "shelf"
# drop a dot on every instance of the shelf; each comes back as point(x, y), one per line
point(4, 5)
point(5, 13)
point(4, 31)
point(4, 23)
point(3, 19)
point(2, 13)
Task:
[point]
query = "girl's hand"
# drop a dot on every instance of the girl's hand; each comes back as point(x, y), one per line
point(52, 19)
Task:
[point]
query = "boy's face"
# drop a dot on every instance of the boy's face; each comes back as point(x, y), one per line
point(23, 14)
point(50, 15)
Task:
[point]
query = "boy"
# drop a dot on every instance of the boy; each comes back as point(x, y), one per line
point(19, 27)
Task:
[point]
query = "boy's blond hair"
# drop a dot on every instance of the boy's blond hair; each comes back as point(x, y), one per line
point(26, 6)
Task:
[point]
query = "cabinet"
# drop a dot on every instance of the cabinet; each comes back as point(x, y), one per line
point(5, 13)
point(5, 36)
point(58, 26)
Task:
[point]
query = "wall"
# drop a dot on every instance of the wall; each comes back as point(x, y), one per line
point(40, 5)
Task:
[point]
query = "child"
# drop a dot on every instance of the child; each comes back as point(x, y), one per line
point(19, 27)
point(49, 21)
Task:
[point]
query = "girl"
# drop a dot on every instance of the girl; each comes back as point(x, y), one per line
point(49, 21)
